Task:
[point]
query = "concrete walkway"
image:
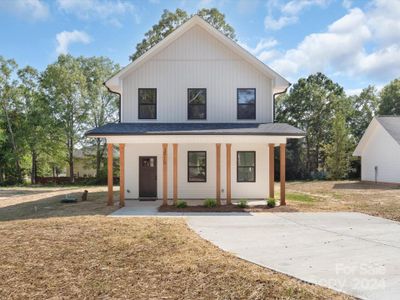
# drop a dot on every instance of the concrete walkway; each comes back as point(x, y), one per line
point(350, 252)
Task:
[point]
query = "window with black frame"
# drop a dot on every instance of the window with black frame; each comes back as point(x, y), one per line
point(246, 104)
point(197, 104)
point(197, 166)
point(246, 166)
point(147, 100)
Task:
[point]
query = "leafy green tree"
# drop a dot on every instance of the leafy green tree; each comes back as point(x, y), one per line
point(42, 131)
point(64, 85)
point(103, 105)
point(310, 107)
point(338, 151)
point(365, 106)
point(171, 20)
point(10, 110)
point(390, 99)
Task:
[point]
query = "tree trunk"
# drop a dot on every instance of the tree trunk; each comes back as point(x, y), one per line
point(34, 166)
point(71, 160)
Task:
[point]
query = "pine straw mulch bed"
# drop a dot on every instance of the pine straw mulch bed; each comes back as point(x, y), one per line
point(95, 257)
point(225, 208)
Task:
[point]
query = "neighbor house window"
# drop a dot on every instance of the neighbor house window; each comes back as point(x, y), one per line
point(246, 166)
point(147, 103)
point(197, 104)
point(246, 104)
point(197, 166)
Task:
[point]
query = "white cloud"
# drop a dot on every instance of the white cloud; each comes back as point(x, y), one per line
point(30, 9)
point(65, 38)
point(263, 49)
point(261, 45)
point(361, 44)
point(106, 10)
point(289, 12)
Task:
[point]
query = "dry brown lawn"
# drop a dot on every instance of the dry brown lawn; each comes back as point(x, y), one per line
point(373, 199)
point(72, 251)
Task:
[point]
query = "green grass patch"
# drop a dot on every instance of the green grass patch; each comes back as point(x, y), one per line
point(300, 197)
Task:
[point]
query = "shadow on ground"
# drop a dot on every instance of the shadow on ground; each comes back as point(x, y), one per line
point(52, 207)
point(364, 186)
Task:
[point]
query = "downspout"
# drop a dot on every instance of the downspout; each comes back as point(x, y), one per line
point(274, 98)
point(119, 102)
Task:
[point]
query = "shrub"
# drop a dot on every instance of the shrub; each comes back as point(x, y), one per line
point(271, 202)
point(210, 203)
point(242, 203)
point(181, 204)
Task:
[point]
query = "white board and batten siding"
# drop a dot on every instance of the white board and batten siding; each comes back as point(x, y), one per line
point(196, 60)
point(198, 190)
point(383, 152)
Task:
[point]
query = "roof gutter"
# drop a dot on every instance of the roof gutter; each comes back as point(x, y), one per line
point(119, 102)
point(274, 98)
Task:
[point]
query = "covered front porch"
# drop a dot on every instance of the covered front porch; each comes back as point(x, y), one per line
point(188, 161)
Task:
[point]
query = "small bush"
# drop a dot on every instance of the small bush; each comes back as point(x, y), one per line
point(181, 204)
point(242, 203)
point(271, 203)
point(210, 203)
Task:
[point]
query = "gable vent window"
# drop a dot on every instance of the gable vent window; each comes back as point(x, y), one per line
point(197, 104)
point(246, 104)
point(147, 103)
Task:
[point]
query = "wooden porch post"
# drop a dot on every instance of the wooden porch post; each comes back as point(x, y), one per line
point(218, 173)
point(110, 174)
point(271, 149)
point(175, 171)
point(165, 174)
point(228, 174)
point(283, 172)
point(121, 175)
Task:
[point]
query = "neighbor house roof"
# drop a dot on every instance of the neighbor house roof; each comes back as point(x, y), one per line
point(390, 123)
point(276, 129)
point(280, 83)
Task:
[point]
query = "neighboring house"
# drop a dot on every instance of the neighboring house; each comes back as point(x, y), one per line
point(379, 149)
point(83, 164)
point(197, 120)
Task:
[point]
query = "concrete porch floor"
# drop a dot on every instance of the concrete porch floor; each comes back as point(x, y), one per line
point(136, 208)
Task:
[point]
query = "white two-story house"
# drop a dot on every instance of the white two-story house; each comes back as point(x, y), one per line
point(196, 121)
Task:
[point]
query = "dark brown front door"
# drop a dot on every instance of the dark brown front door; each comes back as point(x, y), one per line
point(148, 176)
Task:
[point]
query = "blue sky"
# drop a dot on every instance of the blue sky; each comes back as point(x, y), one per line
point(356, 43)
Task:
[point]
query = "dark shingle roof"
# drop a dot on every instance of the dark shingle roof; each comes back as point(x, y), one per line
point(392, 125)
point(281, 129)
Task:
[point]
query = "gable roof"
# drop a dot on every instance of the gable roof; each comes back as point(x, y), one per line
point(279, 83)
point(391, 124)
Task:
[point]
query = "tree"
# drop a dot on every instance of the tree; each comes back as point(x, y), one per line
point(103, 105)
point(338, 151)
point(10, 111)
point(42, 132)
point(64, 85)
point(390, 99)
point(365, 107)
point(310, 107)
point(171, 20)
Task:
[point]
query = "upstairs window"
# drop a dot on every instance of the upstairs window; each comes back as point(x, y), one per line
point(246, 104)
point(197, 104)
point(147, 103)
point(246, 166)
point(197, 166)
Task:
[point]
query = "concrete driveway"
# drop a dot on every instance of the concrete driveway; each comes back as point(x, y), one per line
point(350, 252)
